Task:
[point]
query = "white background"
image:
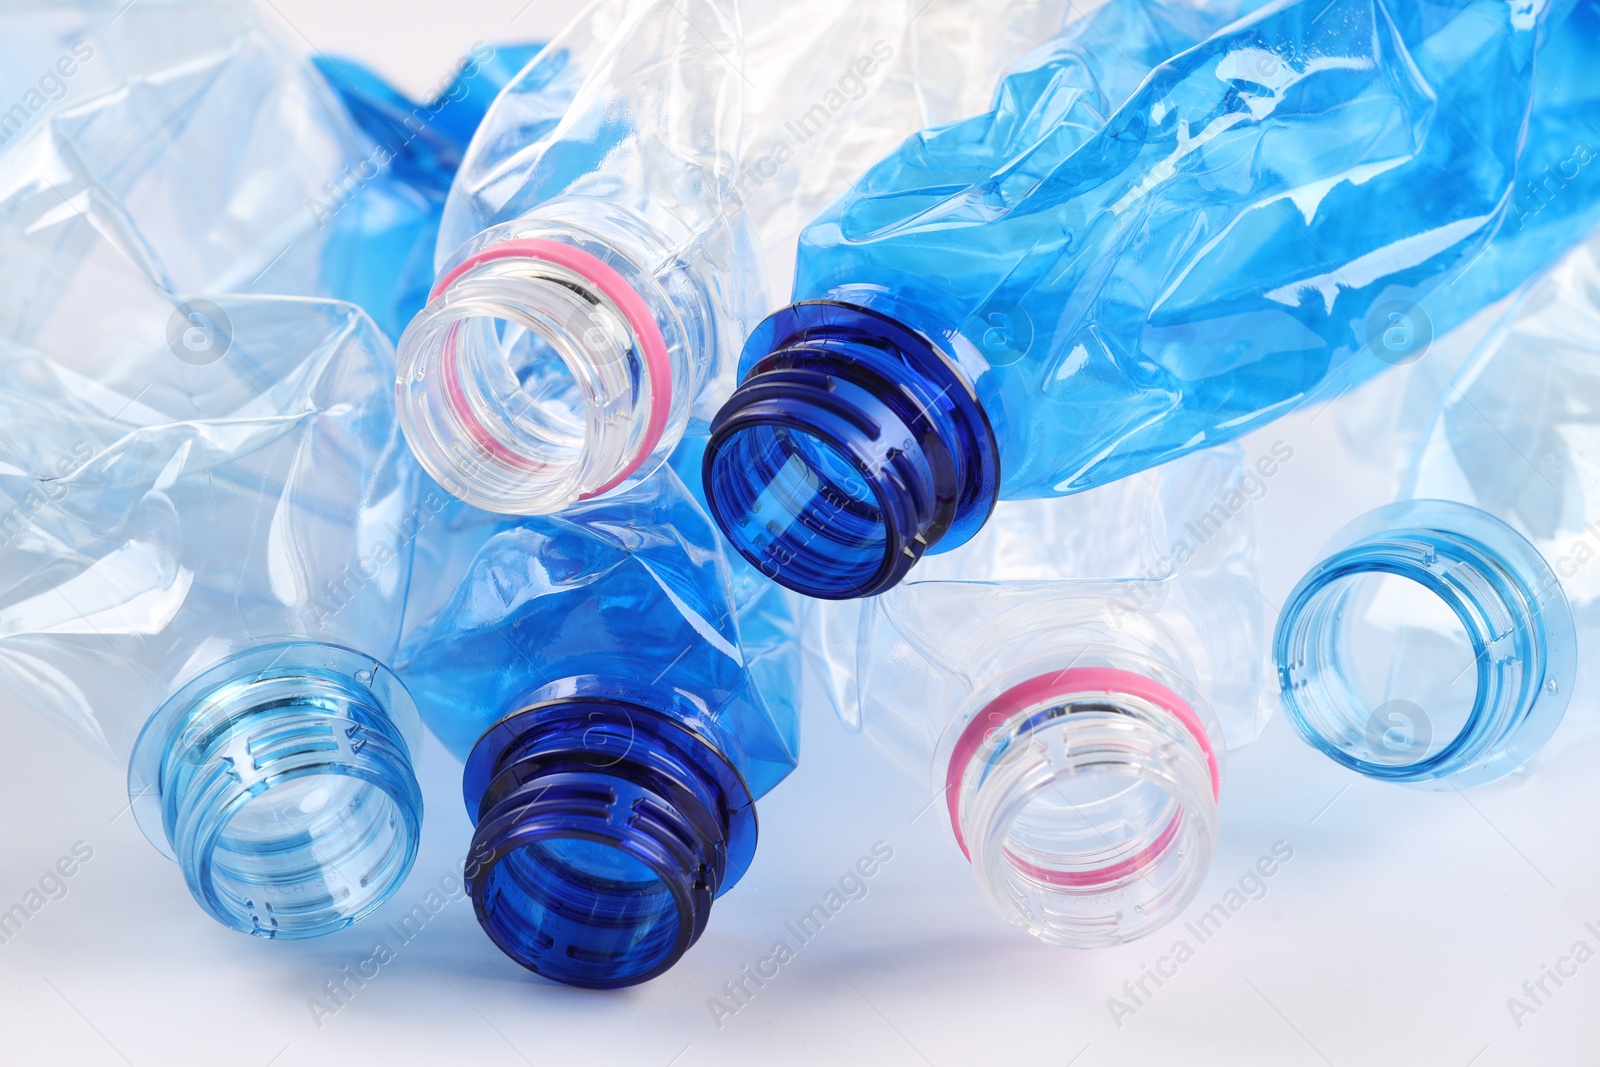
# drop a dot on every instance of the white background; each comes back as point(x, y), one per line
point(1395, 934)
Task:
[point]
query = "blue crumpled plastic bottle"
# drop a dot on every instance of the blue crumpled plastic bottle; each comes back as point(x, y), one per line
point(621, 698)
point(1119, 265)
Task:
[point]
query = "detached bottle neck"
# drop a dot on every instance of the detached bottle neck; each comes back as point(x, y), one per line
point(552, 362)
point(1086, 800)
point(281, 782)
point(605, 829)
point(853, 446)
point(1433, 645)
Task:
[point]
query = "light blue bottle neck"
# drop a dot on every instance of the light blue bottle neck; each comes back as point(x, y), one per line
point(1504, 596)
point(854, 445)
point(281, 782)
point(605, 829)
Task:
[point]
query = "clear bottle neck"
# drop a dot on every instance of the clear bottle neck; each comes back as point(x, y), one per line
point(281, 782)
point(1086, 799)
point(558, 357)
point(1432, 645)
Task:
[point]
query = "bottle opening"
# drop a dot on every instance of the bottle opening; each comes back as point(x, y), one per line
point(1086, 800)
point(610, 914)
point(536, 376)
point(853, 447)
point(803, 512)
point(1435, 645)
point(604, 832)
point(284, 789)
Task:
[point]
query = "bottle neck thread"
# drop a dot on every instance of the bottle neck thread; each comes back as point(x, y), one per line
point(282, 784)
point(544, 370)
point(852, 447)
point(1402, 718)
point(1086, 801)
point(605, 829)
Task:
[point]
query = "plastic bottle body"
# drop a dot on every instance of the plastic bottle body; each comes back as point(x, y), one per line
point(1128, 260)
point(385, 215)
point(1071, 695)
point(1438, 642)
point(620, 700)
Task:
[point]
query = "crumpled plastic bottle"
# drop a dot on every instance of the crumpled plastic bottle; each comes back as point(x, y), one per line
point(600, 258)
point(206, 511)
point(621, 699)
point(1437, 642)
point(1069, 697)
point(1119, 264)
point(204, 550)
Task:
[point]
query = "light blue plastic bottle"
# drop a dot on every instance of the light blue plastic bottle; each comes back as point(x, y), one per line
point(202, 567)
point(1120, 264)
point(621, 698)
point(206, 512)
point(1440, 639)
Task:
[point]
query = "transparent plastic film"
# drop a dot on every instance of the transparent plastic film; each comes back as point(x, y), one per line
point(234, 163)
point(60, 54)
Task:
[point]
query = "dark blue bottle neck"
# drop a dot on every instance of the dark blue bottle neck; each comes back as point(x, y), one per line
point(853, 446)
point(605, 829)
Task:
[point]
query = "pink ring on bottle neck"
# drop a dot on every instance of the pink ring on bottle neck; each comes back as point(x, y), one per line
point(615, 288)
point(1039, 692)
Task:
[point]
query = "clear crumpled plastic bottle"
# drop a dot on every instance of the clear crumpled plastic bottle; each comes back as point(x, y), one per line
point(1070, 696)
point(621, 699)
point(600, 259)
point(231, 159)
point(1437, 641)
point(1137, 253)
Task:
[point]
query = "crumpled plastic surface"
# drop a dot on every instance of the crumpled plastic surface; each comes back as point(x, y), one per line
point(1145, 265)
point(185, 476)
point(634, 589)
